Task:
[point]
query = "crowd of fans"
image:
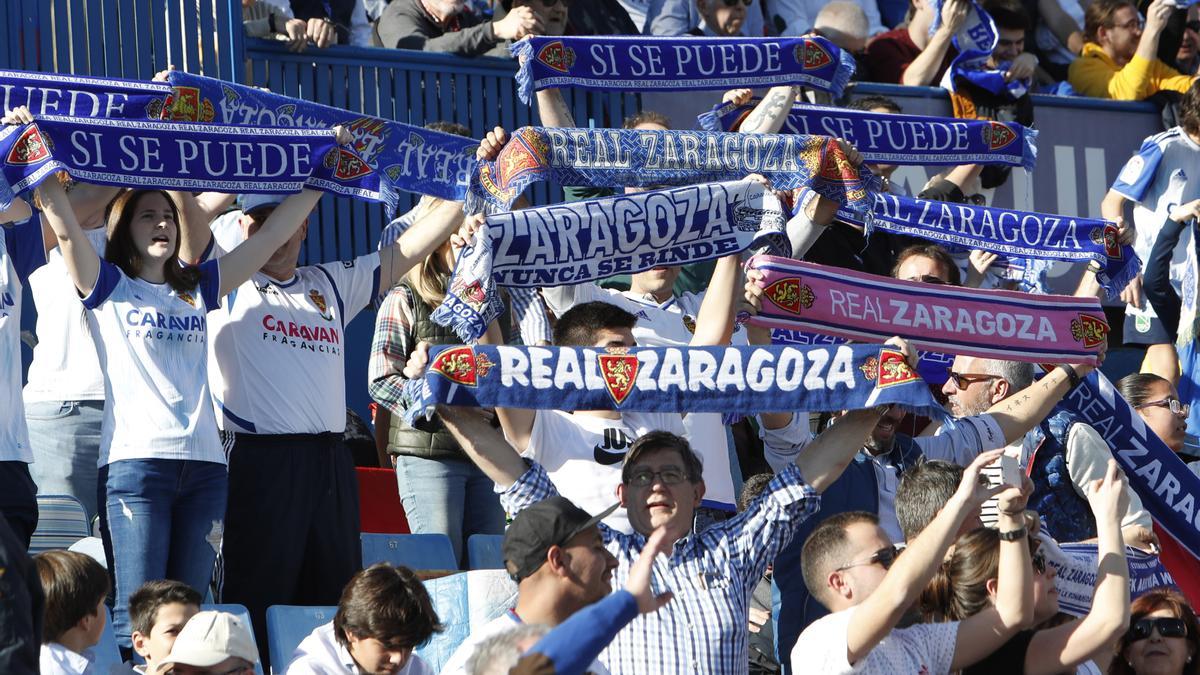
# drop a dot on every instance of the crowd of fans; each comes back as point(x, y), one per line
point(190, 432)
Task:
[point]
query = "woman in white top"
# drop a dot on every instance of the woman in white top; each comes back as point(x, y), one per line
point(162, 479)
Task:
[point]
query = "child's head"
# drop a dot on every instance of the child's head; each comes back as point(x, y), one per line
point(75, 586)
point(157, 612)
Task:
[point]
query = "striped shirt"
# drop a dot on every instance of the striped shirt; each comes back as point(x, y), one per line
point(703, 629)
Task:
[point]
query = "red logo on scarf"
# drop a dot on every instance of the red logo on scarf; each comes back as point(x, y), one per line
point(790, 295)
point(184, 104)
point(893, 369)
point(1109, 239)
point(470, 293)
point(998, 134)
point(462, 365)
point(812, 56)
point(348, 164)
point(619, 370)
point(835, 166)
point(1089, 330)
point(556, 56)
point(30, 148)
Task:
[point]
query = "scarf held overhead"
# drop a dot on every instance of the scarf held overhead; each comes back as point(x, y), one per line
point(648, 158)
point(1013, 234)
point(1076, 578)
point(988, 324)
point(975, 41)
point(886, 138)
point(743, 380)
point(75, 96)
point(647, 63)
point(175, 156)
point(933, 367)
point(586, 241)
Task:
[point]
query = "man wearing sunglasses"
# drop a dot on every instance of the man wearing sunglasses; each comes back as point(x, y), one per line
point(1062, 454)
point(1120, 58)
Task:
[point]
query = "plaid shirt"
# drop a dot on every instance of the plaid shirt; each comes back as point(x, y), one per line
point(389, 350)
point(703, 629)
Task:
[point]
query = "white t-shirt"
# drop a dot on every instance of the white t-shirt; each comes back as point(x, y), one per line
point(583, 454)
point(1165, 172)
point(924, 649)
point(278, 363)
point(667, 325)
point(320, 654)
point(65, 366)
point(457, 665)
point(21, 252)
point(152, 344)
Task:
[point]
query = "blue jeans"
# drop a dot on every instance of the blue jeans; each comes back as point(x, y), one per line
point(65, 438)
point(449, 496)
point(162, 519)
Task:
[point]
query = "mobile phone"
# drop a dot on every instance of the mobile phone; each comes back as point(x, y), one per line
point(1010, 467)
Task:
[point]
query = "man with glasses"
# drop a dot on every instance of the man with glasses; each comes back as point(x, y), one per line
point(1062, 454)
point(1119, 59)
point(851, 566)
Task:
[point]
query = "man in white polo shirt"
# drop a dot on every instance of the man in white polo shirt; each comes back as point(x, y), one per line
point(277, 353)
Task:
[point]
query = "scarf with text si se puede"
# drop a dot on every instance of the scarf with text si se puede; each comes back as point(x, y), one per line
point(584, 241)
point(649, 63)
point(975, 41)
point(988, 324)
point(1012, 234)
point(886, 138)
point(1169, 489)
point(174, 156)
point(77, 96)
point(649, 158)
point(738, 380)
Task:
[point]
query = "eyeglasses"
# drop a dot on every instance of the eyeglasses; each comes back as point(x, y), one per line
point(1193, 26)
point(1132, 24)
point(964, 380)
point(884, 556)
point(1173, 404)
point(1167, 627)
point(733, 3)
point(671, 475)
point(929, 279)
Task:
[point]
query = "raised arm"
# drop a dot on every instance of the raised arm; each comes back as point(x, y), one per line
point(883, 609)
point(248, 257)
point(83, 264)
point(552, 109)
point(1063, 648)
point(714, 321)
point(197, 212)
point(981, 634)
point(1018, 413)
point(483, 443)
point(771, 112)
point(426, 234)
point(922, 71)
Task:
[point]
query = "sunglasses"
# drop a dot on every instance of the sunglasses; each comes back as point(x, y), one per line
point(1193, 26)
point(964, 380)
point(884, 557)
point(733, 3)
point(1173, 404)
point(929, 279)
point(1167, 627)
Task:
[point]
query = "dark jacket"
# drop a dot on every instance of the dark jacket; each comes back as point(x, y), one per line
point(406, 25)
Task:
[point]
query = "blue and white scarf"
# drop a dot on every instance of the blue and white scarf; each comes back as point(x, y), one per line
point(580, 242)
point(174, 156)
point(1077, 571)
point(646, 63)
point(975, 42)
point(885, 138)
point(1169, 490)
point(1014, 234)
point(739, 380)
point(407, 157)
point(933, 367)
point(646, 158)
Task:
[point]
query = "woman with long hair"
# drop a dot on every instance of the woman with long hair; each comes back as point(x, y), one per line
point(1157, 402)
point(1163, 637)
point(441, 489)
point(966, 584)
point(162, 479)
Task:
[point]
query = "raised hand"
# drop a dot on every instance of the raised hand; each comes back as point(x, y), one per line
point(638, 583)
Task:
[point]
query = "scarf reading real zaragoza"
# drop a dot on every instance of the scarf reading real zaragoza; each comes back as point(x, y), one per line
point(648, 63)
point(732, 380)
point(988, 324)
point(648, 158)
point(174, 156)
point(886, 138)
point(580, 242)
point(407, 157)
point(1012, 234)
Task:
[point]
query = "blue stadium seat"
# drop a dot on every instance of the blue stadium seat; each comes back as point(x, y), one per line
point(62, 521)
point(483, 551)
point(417, 551)
point(105, 654)
point(288, 625)
point(451, 601)
point(243, 615)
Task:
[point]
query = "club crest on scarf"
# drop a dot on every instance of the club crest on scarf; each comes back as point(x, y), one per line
point(619, 369)
point(319, 300)
point(557, 56)
point(30, 148)
point(462, 365)
point(791, 295)
point(1089, 330)
point(811, 56)
point(888, 369)
point(1108, 237)
point(348, 165)
point(470, 292)
point(998, 135)
point(184, 104)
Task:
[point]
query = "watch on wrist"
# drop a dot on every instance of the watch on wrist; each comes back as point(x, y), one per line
point(1014, 535)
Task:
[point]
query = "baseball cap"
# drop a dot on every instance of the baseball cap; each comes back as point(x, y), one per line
point(209, 638)
point(249, 202)
point(550, 522)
